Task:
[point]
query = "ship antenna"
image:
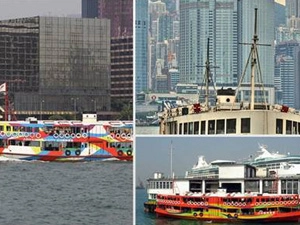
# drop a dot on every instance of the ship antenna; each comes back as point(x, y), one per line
point(207, 74)
point(254, 63)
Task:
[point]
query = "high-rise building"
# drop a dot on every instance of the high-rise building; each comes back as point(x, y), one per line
point(122, 69)
point(89, 8)
point(56, 65)
point(265, 32)
point(120, 13)
point(141, 45)
point(292, 8)
point(214, 20)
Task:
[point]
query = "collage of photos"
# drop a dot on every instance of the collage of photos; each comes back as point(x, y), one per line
point(217, 121)
point(149, 112)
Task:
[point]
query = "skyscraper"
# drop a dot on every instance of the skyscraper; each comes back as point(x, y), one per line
point(141, 45)
point(265, 32)
point(120, 12)
point(214, 20)
point(89, 8)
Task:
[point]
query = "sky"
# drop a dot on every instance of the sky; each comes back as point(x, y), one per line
point(10, 9)
point(153, 153)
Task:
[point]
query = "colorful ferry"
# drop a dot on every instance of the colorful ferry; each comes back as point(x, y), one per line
point(85, 140)
point(223, 207)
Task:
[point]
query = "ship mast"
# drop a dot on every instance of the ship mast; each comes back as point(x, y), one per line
point(207, 74)
point(254, 65)
point(253, 61)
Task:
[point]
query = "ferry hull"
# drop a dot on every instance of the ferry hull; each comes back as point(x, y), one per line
point(230, 217)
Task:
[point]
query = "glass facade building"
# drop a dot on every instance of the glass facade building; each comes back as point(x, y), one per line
point(216, 21)
point(141, 46)
point(62, 64)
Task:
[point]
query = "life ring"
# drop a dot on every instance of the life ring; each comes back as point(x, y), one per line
point(120, 152)
point(201, 214)
point(61, 135)
point(67, 135)
point(55, 135)
point(8, 134)
point(38, 135)
point(153, 97)
point(67, 152)
point(32, 135)
point(77, 152)
point(14, 134)
point(84, 135)
point(117, 135)
point(195, 214)
point(78, 135)
point(129, 136)
point(73, 135)
point(129, 152)
point(123, 135)
point(26, 134)
point(2, 134)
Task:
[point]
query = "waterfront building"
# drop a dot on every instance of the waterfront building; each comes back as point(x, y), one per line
point(56, 65)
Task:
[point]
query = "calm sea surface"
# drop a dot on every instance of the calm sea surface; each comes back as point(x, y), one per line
point(154, 130)
point(66, 193)
point(143, 218)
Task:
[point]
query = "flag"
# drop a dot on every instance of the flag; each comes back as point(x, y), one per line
point(3, 87)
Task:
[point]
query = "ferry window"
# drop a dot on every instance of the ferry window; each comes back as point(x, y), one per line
point(180, 128)
point(279, 124)
point(211, 127)
point(1, 128)
point(294, 127)
point(185, 131)
point(202, 127)
point(15, 128)
point(220, 126)
point(230, 126)
point(8, 128)
point(288, 127)
point(196, 127)
point(245, 125)
point(191, 128)
point(298, 128)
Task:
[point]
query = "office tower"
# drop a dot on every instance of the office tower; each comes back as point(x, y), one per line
point(120, 13)
point(216, 21)
point(265, 32)
point(89, 8)
point(141, 45)
point(122, 69)
point(56, 65)
point(286, 55)
point(292, 8)
point(279, 15)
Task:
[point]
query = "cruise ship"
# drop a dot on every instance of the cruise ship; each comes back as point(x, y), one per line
point(230, 116)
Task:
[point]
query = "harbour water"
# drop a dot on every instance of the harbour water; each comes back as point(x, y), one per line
point(143, 218)
point(147, 130)
point(66, 193)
